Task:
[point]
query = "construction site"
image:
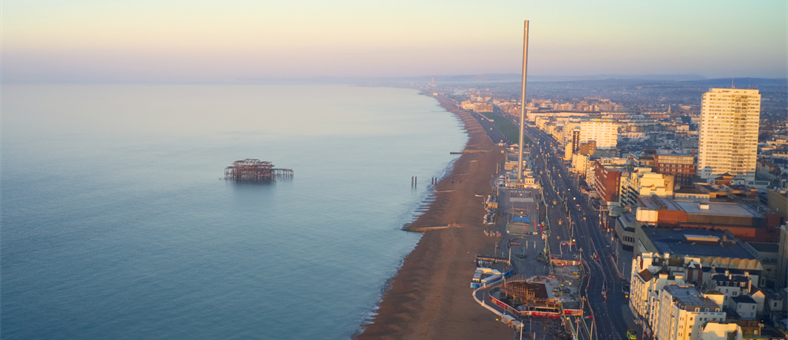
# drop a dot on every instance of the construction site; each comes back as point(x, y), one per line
point(255, 170)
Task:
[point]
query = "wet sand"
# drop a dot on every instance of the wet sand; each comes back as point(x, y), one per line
point(430, 297)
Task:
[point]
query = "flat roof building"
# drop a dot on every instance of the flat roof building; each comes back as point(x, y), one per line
point(695, 243)
point(741, 219)
point(716, 252)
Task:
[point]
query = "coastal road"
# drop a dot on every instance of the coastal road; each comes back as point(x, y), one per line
point(605, 290)
point(492, 131)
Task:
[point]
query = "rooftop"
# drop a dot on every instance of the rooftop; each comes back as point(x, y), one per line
point(722, 270)
point(627, 219)
point(743, 299)
point(766, 247)
point(675, 241)
point(717, 208)
point(737, 278)
point(646, 275)
point(689, 298)
point(689, 190)
point(702, 208)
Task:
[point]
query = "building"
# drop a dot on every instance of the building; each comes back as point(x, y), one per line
point(691, 194)
point(568, 152)
point(570, 131)
point(580, 164)
point(641, 181)
point(782, 259)
point(721, 331)
point(587, 148)
point(768, 253)
point(682, 167)
point(575, 140)
point(731, 286)
point(482, 107)
point(729, 133)
point(606, 181)
point(778, 201)
point(683, 311)
point(744, 306)
point(603, 131)
point(741, 219)
point(714, 252)
point(625, 229)
point(650, 273)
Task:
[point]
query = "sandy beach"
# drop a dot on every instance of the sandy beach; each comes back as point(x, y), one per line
point(429, 297)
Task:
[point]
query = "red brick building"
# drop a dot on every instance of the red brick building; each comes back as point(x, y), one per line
point(682, 167)
point(606, 181)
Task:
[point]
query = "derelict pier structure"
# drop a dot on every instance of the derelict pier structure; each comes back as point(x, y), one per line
point(255, 170)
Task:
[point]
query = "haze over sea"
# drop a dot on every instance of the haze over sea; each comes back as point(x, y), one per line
point(116, 224)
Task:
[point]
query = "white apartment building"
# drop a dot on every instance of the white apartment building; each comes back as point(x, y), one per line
point(603, 131)
point(642, 182)
point(746, 307)
point(683, 311)
point(729, 133)
point(648, 277)
point(731, 286)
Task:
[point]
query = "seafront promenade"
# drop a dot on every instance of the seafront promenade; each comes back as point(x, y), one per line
point(429, 297)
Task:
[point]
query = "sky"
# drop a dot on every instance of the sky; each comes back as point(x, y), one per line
point(249, 40)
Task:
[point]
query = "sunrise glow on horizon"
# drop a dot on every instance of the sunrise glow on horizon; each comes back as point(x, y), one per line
point(235, 40)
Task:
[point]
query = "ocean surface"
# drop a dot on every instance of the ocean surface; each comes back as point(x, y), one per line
point(116, 222)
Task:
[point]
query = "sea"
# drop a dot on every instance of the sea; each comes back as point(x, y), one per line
point(116, 221)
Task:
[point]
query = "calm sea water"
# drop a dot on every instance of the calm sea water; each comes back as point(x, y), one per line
point(116, 224)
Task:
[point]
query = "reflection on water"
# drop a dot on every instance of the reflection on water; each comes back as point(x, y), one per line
point(117, 221)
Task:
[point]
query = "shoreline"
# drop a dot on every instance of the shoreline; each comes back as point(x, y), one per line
point(429, 296)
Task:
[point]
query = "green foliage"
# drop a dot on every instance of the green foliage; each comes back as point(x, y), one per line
point(507, 128)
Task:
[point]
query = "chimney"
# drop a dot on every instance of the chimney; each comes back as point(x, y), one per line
point(724, 237)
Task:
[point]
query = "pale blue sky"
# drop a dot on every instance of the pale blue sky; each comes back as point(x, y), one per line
point(181, 40)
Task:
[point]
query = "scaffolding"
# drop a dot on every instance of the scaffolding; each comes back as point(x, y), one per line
point(255, 170)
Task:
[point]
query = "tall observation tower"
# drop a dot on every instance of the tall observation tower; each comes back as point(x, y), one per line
point(522, 104)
